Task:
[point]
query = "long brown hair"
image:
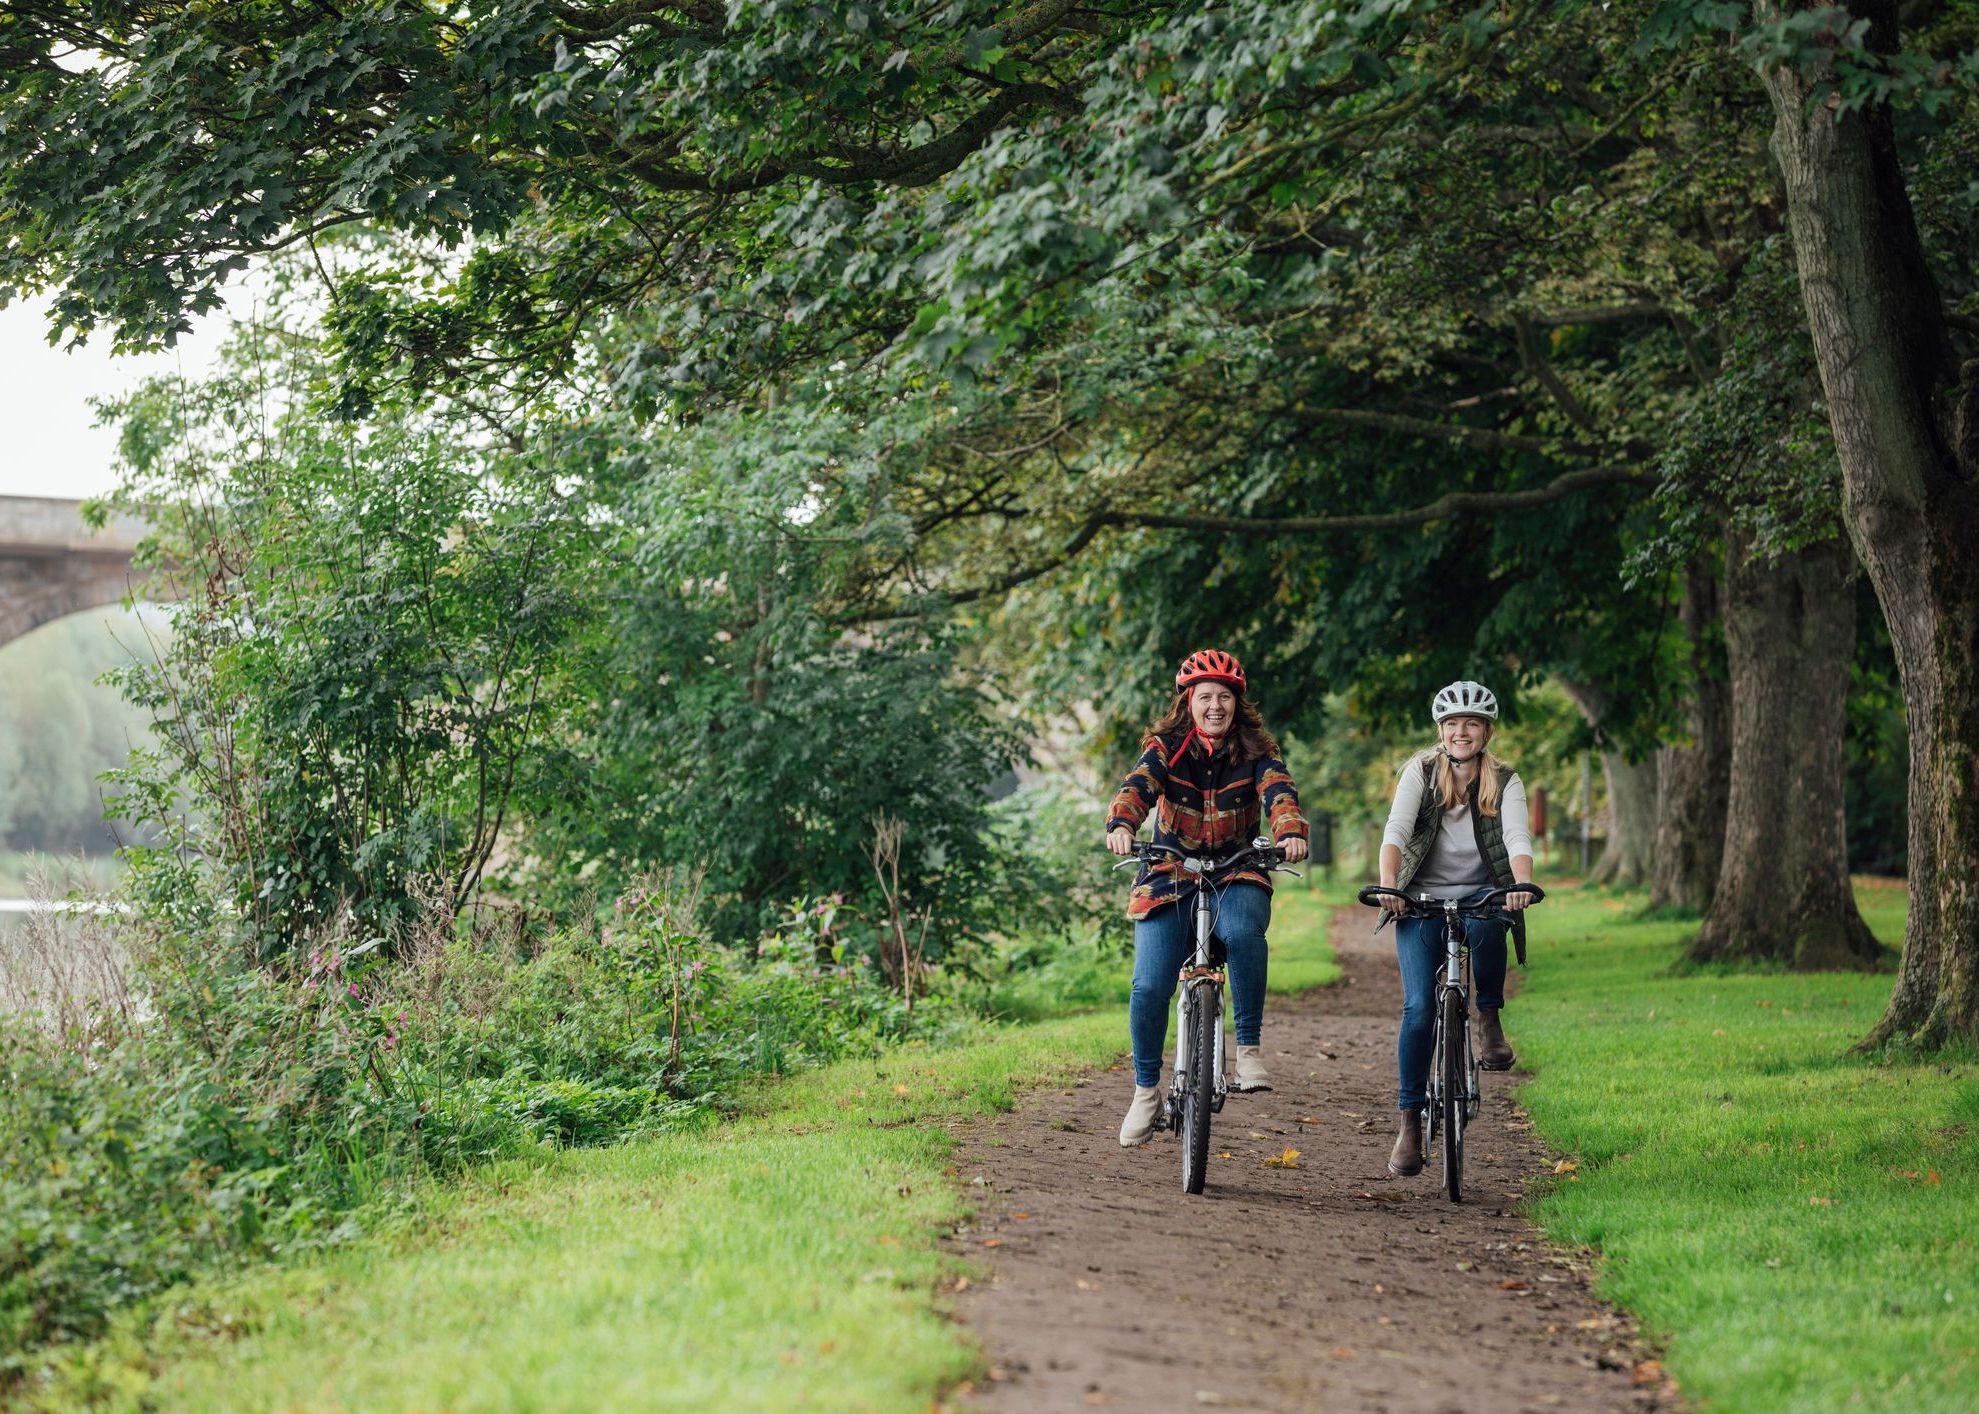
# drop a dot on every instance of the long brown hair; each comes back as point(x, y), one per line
point(1250, 741)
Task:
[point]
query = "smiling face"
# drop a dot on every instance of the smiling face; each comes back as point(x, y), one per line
point(1464, 736)
point(1212, 707)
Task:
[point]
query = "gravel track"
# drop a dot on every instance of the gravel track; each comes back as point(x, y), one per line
point(1329, 1285)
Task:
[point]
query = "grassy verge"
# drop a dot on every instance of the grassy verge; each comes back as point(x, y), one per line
point(1301, 956)
point(786, 1258)
point(1796, 1224)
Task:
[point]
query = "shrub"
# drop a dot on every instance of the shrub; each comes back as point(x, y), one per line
point(239, 1110)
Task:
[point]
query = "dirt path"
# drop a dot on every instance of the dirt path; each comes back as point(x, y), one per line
point(1326, 1286)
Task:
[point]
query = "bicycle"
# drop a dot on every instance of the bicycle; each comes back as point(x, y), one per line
point(1454, 1093)
point(1198, 1088)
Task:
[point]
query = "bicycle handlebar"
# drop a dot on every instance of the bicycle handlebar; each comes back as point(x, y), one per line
point(1426, 907)
point(1261, 854)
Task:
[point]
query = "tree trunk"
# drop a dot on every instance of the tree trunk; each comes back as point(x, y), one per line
point(1906, 425)
point(1631, 789)
point(1693, 782)
point(1783, 890)
point(1625, 859)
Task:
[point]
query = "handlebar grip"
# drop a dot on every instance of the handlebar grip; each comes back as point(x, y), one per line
point(1374, 893)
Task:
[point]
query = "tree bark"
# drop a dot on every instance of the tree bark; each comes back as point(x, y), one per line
point(1693, 782)
point(1783, 890)
point(1631, 789)
point(1626, 858)
point(1906, 424)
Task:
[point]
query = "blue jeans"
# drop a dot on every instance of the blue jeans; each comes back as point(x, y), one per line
point(1419, 950)
point(1165, 939)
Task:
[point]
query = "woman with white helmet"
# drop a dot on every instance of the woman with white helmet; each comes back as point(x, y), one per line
point(1458, 829)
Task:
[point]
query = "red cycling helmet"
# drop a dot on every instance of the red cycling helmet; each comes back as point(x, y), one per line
point(1210, 665)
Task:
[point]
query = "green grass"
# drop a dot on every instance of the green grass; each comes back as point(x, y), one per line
point(1301, 956)
point(787, 1258)
point(1795, 1223)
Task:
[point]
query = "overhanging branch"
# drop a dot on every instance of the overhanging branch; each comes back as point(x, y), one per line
point(1454, 503)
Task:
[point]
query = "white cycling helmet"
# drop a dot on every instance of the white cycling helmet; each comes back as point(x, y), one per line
point(1466, 699)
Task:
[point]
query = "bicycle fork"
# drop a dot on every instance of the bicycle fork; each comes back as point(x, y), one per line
point(1201, 984)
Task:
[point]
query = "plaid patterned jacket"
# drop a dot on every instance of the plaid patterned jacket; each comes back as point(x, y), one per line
point(1202, 804)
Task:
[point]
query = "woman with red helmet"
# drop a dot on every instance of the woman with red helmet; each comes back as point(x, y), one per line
point(1211, 774)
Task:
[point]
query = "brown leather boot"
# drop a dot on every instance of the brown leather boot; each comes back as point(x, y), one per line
point(1494, 1052)
point(1405, 1160)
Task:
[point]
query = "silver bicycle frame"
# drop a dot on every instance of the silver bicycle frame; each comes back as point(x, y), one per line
point(1203, 915)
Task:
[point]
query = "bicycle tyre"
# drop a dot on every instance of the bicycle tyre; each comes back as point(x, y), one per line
point(1451, 1072)
point(1199, 1087)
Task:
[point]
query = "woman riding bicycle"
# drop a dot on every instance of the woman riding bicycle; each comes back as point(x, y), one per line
point(1458, 829)
point(1209, 771)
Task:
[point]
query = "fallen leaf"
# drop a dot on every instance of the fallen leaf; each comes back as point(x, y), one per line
point(1380, 1290)
point(992, 1242)
point(1287, 1160)
point(1094, 1396)
point(1931, 1178)
point(1307, 1119)
point(1815, 1200)
point(1340, 1352)
point(1649, 1372)
point(1565, 1166)
point(900, 1089)
point(1513, 1284)
point(1021, 1217)
point(1085, 1285)
point(1466, 1266)
point(825, 1347)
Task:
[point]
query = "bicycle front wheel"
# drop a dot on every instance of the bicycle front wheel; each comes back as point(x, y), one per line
point(1450, 1063)
point(1199, 1085)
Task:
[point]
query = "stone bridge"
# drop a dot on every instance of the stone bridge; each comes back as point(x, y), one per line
point(51, 564)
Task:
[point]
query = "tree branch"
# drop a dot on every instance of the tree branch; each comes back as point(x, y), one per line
point(1441, 508)
point(1459, 432)
point(1535, 363)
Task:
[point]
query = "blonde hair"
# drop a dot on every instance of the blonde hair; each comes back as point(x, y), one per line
point(1491, 773)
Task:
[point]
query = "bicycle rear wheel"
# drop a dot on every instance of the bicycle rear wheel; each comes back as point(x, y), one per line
point(1450, 1062)
point(1199, 1085)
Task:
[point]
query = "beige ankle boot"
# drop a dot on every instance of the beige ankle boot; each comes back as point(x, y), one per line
point(1251, 1074)
point(1138, 1127)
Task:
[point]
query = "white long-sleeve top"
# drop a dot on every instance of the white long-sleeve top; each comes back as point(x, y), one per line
point(1454, 866)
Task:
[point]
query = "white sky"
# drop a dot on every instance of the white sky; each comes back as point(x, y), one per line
point(49, 444)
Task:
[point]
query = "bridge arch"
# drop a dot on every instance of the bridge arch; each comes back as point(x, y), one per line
point(52, 565)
